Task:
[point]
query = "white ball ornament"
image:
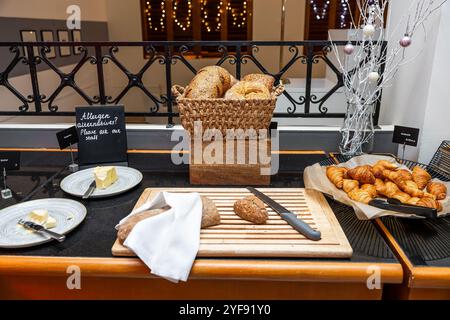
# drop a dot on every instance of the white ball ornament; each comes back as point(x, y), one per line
point(369, 30)
point(405, 41)
point(374, 76)
point(349, 49)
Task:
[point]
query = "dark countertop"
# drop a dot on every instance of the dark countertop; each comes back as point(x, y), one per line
point(42, 172)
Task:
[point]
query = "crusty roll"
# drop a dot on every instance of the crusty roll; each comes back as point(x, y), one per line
point(438, 189)
point(209, 83)
point(336, 175)
point(247, 90)
point(363, 174)
point(264, 79)
point(421, 177)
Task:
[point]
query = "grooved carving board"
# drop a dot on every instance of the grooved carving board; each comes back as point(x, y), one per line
point(235, 237)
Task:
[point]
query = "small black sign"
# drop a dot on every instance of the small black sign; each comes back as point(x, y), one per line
point(102, 134)
point(406, 135)
point(67, 137)
point(10, 160)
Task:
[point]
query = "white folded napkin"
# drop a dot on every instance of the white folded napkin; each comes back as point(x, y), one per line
point(168, 242)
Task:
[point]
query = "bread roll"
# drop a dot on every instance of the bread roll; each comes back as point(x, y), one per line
point(209, 83)
point(264, 79)
point(210, 214)
point(251, 209)
point(248, 90)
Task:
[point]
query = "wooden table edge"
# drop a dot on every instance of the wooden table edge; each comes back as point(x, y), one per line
point(237, 269)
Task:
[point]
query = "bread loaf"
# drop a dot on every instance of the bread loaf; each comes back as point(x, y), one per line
point(264, 79)
point(251, 209)
point(247, 90)
point(209, 83)
point(126, 228)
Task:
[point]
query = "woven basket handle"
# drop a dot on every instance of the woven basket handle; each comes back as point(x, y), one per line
point(177, 91)
point(279, 89)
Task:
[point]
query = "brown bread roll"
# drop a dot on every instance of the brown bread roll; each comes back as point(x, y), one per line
point(251, 209)
point(209, 83)
point(265, 79)
point(247, 90)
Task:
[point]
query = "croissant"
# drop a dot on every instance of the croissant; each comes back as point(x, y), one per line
point(360, 195)
point(390, 190)
point(421, 177)
point(438, 189)
point(430, 203)
point(371, 189)
point(349, 185)
point(381, 165)
point(398, 177)
point(413, 201)
point(411, 188)
point(428, 195)
point(363, 174)
point(337, 175)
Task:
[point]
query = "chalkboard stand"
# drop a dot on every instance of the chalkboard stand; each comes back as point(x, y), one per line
point(6, 192)
point(73, 167)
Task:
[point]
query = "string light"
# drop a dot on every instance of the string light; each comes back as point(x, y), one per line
point(148, 12)
point(320, 14)
point(235, 14)
point(343, 14)
point(186, 25)
point(211, 21)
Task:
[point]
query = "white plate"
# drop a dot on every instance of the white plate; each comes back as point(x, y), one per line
point(77, 183)
point(68, 214)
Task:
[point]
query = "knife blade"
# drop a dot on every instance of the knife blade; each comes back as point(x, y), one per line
point(90, 190)
point(38, 228)
point(396, 205)
point(288, 216)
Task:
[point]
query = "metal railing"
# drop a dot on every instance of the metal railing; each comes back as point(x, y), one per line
point(236, 53)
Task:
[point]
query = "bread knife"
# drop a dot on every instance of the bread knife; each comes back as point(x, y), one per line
point(288, 216)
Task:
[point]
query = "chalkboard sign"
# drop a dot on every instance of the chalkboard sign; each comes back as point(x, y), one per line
point(102, 134)
point(406, 135)
point(10, 160)
point(67, 137)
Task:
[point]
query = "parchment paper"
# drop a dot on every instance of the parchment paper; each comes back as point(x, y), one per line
point(315, 178)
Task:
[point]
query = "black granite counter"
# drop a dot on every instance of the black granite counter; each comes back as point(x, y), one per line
point(42, 172)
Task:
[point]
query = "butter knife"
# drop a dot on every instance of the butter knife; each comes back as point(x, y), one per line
point(288, 216)
point(39, 228)
point(89, 190)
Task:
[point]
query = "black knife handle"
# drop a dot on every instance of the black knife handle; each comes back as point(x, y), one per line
point(301, 226)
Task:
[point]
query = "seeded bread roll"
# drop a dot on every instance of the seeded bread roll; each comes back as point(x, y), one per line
point(247, 90)
point(251, 209)
point(264, 79)
point(209, 83)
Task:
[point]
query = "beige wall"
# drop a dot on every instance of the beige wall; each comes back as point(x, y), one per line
point(124, 23)
point(91, 10)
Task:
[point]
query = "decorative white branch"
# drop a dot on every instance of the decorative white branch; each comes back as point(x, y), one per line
point(369, 65)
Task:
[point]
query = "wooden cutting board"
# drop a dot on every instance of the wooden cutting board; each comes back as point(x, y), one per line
point(235, 237)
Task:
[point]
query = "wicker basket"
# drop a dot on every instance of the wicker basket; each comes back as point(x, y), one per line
point(222, 114)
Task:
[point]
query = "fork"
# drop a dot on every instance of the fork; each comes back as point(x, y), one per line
point(39, 228)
